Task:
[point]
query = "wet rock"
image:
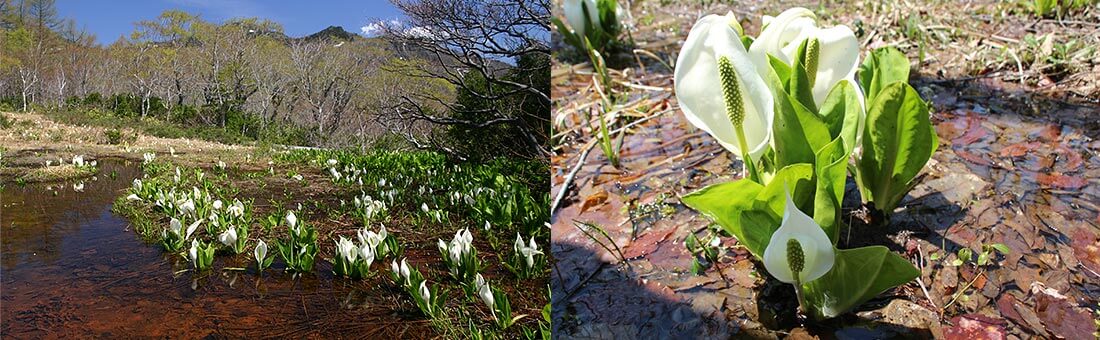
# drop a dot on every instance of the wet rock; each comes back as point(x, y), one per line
point(975, 326)
point(907, 314)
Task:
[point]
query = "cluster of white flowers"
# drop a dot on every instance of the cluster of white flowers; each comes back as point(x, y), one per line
point(527, 250)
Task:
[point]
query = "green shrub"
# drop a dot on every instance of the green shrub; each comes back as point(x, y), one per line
point(114, 136)
point(5, 122)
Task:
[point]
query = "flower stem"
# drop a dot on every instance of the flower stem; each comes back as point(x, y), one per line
point(801, 299)
point(750, 166)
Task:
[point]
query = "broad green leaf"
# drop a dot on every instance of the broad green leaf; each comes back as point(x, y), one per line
point(759, 225)
point(843, 114)
point(883, 67)
point(832, 172)
point(781, 69)
point(798, 133)
point(798, 178)
point(857, 276)
point(897, 143)
point(723, 204)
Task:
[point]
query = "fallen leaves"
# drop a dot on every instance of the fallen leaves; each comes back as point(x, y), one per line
point(1060, 315)
point(1060, 181)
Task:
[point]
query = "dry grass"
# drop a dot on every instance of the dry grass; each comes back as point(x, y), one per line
point(56, 173)
point(34, 139)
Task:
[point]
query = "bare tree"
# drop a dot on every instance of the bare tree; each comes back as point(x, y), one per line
point(476, 36)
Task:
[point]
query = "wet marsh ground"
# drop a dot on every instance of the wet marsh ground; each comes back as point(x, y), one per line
point(1017, 165)
point(75, 262)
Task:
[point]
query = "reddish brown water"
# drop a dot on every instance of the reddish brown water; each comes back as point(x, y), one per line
point(72, 269)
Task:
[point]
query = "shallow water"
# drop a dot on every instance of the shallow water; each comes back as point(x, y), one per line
point(999, 176)
point(70, 267)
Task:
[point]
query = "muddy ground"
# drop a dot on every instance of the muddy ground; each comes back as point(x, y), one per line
point(1017, 165)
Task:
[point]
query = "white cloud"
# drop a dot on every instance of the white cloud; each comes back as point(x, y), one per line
point(377, 27)
point(371, 29)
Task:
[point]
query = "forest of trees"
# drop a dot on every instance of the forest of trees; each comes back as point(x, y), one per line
point(471, 89)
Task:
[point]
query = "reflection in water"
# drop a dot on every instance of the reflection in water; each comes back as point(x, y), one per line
point(71, 268)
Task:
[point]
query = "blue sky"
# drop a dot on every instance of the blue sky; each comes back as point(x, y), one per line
point(110, 19)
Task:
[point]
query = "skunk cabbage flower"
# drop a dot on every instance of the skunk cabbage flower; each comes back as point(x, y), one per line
point(191, 228)
point(366, 252)
point(217, 204)
point(187, 208)
point(133, 197)
point(424, 206)
point(237, 208)
point(528, 251)
point(425, 293)
point(346, 249)
point(149, 157)
point(260, 252)
point(137, 185)
point(78, 160)
point(193, 253)
point(799, 251)
point(833, 51)
point(486, 295)
point(78, 187)
point(395, 268)
point(574, 14)
point(404, 269)
point(332, 162)
point(720, 89)
point(175, 226)
point(292, 220)
point(228, 237)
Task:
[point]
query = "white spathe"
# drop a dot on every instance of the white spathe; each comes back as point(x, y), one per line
point(261, 251)
point(699, 87)
point(839, 53)
point(574, 14)
point(228, 237)
point(817, 250)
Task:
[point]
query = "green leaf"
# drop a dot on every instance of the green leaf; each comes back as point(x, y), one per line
point(746, 41)
point(724, 202)
point(781, 69)
point(798, 178)
point(798, 132)
point(858, 275)
point(983, 258)
point(843, 114)
point(897, 143)
point(883, 67)
point(965, 254)
point(691, 242)
point(1001, 247)
point(569, 36)
point(832, 173)
point(759, 227)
